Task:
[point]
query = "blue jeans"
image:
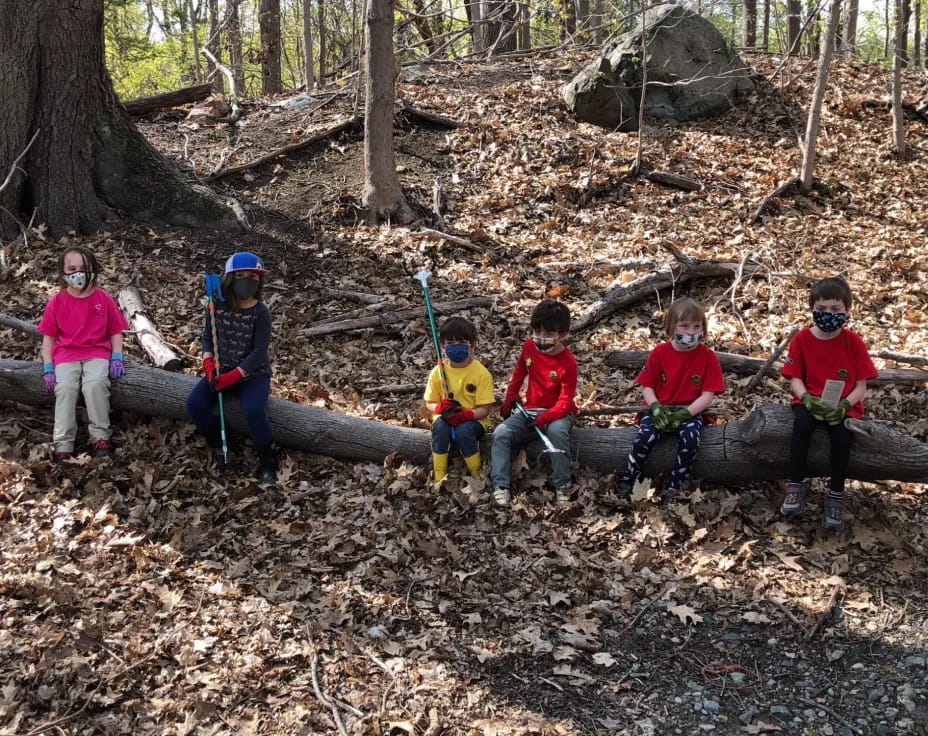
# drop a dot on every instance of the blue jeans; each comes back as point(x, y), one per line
point(688, 438)
point(253, 393)
point(515, 433)
point(467, 437)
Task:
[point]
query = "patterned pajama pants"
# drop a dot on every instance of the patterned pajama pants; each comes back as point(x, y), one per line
point(687, 444)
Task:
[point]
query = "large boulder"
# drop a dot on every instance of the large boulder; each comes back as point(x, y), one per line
point(692, 73)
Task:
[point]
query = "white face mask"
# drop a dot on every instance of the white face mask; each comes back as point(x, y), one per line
point(687, 341)
point(77, 280)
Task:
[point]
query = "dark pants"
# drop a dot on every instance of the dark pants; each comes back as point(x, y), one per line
point(841, 439)
point(252, 392)
point(687, 444)
point(466, 437)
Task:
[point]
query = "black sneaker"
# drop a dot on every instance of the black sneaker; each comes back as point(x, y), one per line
point(669, 495)
point(219, 458)
point(832, 519)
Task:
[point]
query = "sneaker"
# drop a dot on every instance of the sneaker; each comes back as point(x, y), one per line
point(624, 490)
point(60, 457)
point(502, 496)
point(219, 460)
point(832, 519)
point(562, 496)
point(100, 448)
point(669, 495)
point(795, 500)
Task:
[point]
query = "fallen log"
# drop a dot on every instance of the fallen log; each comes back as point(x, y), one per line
point(162, 354)
point(684, 269)
point(755, 448)
point(743, 365)
point(183, 96)
point(386, 318)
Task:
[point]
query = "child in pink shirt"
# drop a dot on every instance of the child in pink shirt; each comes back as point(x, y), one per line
point(81, 351)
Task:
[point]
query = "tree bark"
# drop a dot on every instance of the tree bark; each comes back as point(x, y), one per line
point(383, 196)
point(917, 36)
point(183, 96)
point(744, 365)
point(323, 39)
point(898, 51)
point(849, 36)
point(903, 42)
point(88, 157)
point(194, 37)
point(749, 27)
point(818, 96)
point(308, 44)
point(793, 25)
point(766, 38)
point(214, 45)
point(269, 21)
point(755, 448)
point(235, 47)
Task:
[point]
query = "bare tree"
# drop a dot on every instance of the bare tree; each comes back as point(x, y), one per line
point(818, 96)
point(235, 46)
point(194, 37)
point(214, 44)
point(322, 43)
point(766, 37)
point(898, 113)
point(269, 21)
point(749, 25)
point(917, 37)
point(849, 34)
point(793, 25)
point(383, 196)
point(308, 43)
point(87, 158)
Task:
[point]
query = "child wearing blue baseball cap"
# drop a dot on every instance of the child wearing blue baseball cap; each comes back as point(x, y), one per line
point(242, 324)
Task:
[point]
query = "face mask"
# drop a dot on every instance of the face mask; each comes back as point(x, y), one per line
point(246, 288)
point(687, 341)
point(77, 280)
point(544, 344)
point(457, 352)
point(828, 321)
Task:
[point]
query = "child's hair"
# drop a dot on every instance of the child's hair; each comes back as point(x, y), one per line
point(457, 329)
point(833, 287)
point(681, 309)
point(89, 265)
point(551, 316)
point(228, 289)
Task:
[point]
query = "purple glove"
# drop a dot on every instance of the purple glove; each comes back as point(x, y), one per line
point(49, 377)
point(117, 369)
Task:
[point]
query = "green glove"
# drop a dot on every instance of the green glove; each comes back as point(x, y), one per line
point(815, 406)
point(836, 416)
point(659, 415)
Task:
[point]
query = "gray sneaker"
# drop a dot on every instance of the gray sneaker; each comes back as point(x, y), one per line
point(832, 519)
point(502, 496)
point(562, 496)
point(795, 500)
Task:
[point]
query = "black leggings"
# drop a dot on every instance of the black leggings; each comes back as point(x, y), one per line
point(841, 439)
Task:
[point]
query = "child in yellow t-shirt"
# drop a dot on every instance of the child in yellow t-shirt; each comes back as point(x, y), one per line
point(461, 416)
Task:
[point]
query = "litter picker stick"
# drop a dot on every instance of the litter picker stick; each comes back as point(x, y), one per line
point(213, 286)
point(549, 445)
point(422, 277)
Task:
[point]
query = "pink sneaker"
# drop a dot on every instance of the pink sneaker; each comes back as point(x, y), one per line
point(100, 448)
point(60, 457)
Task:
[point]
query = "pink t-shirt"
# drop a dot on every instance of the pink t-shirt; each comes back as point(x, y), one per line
point(82, 327)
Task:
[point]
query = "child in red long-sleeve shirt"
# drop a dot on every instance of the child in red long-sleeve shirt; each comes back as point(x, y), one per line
point(551, 370)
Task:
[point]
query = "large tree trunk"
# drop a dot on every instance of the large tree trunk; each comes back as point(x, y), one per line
point(749, 29)
point(235, 48)
point(818, 96)
point(269, 20)
point(214, 45)
point(793, 25)
point(308, 44)
point(755, 448)
point(323, 39)
point(383, 196)
point(849, 34)
point(87, 157)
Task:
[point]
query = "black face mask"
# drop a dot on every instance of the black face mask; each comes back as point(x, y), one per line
point(245, 288)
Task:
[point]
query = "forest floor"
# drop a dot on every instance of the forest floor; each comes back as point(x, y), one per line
point(145, 594)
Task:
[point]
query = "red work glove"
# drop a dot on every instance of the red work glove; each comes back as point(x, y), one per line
point(459, 417)
point(209, 369)
point(546, 417)
point(446, 406)
point(505, 409)
point(229, 378)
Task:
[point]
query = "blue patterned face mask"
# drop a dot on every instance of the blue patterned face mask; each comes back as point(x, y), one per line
point(687, 341)
point(457, 352)
point(76, 280)
point(828, 321)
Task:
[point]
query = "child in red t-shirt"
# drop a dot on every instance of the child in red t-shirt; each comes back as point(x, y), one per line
point(817, 354)
point(551, 370)
point(681, 372)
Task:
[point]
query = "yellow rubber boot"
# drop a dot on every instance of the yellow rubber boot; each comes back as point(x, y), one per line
point(440, 465)
point(473, 463)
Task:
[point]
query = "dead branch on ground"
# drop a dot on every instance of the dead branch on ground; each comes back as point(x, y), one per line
point(790, 186)
point(762, 371)
point(386, 318)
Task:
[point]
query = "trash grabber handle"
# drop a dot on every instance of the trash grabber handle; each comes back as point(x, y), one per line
point(213, 286)
point(549, 445)
point(422, 277)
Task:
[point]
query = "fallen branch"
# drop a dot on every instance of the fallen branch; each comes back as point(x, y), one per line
point(899, 357)
point(669, 179)
point(183, 96)
point(352, 314)
point(781, 189)
point(18, 324)
point(288, 149)
point(162, 354)
point(762, 371)
point(683, 269)
point(629, 264)
point(828, 613)
point(429, 117)
point(743, 365)
point(353, 296)
point(830, 711)
point(387, 318)
point(322, 698)
point(394, 388)
point(453, 239)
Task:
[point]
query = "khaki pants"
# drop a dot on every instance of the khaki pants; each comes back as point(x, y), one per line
point(92, 378)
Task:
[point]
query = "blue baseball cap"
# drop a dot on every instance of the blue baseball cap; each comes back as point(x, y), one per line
point(245, 261)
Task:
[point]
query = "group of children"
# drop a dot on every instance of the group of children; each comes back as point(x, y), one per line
point(827, 366)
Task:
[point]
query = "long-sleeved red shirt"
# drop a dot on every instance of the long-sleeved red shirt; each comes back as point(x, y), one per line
point(552, 380)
